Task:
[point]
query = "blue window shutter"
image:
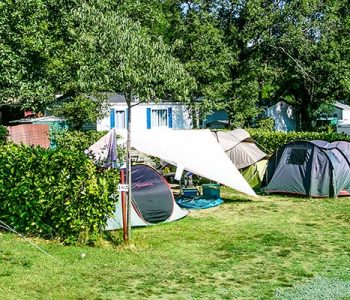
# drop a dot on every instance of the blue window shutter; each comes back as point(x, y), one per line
point(170, 117)
point(112, 118)
point(148, 111)
point(126, 117)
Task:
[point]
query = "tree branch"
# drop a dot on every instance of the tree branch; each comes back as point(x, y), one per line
point(307, 75)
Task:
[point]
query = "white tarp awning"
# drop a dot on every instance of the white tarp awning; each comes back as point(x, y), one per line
point(196, 151)
point(103, 148)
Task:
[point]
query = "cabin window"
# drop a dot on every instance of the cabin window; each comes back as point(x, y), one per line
point(120, 119)
point(297, 156)
point(159, 118)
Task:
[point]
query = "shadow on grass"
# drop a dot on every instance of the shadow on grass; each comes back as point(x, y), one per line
point(114, 237)
point(238, 200)
point(292, 198)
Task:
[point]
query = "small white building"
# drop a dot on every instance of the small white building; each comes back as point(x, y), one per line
point(146, 115)
point(342, 113)
point(284, 116)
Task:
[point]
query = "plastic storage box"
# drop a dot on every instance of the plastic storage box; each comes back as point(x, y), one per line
point(211, 191)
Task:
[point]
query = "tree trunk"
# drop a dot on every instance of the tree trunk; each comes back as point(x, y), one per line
point(194, 116)
point(128, 169)
point(307, 106)
point(306, 116)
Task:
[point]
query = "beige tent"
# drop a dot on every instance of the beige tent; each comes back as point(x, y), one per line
point(239, 147)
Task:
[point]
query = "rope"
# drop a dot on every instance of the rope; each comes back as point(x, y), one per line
point(7, 227)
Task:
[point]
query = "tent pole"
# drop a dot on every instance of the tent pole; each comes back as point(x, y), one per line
point(124, 211)
point(128, 167)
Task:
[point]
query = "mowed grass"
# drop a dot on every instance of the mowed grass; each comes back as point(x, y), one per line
point(243, 249)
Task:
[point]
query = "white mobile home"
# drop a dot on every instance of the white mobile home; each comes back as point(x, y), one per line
point(284, 116)
point(341, 111)
point(146, 115)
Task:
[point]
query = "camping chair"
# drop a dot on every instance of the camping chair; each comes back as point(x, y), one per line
point(165, 169)
point(187, 188)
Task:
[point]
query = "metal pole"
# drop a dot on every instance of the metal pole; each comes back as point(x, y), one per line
point(128, 167)
point(124, 209)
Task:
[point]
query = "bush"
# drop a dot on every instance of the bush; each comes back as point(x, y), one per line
point(270, 141)
point(80, 110)
point(54, 193)
point(3, 134)
point(266, 123)
point(74, 139)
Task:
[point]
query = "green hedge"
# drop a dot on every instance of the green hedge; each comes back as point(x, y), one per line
point(54, 193)
point(270, 141)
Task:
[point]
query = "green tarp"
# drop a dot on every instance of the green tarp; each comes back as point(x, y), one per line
point(254, 174)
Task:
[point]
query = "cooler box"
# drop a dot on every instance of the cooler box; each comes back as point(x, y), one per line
point(211, 191)
point(189, 192)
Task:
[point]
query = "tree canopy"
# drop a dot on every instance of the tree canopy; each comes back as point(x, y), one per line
point(236, 55)
point(289, 50)
point(25, 50)
point(119, 56)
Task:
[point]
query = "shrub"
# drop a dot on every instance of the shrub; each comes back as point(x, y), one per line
point(54, 193)
point(80, 110)
point(265, 123)
point(3, 134)
point(75, 139)
point(270, 141)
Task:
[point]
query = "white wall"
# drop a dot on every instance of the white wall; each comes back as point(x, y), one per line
point(346, 114)
point(342, 113)
point(343, 128)
point(180, 116)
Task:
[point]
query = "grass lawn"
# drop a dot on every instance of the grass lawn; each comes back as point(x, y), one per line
point(275, 247)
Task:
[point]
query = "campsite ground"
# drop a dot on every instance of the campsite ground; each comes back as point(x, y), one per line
point(272, 247)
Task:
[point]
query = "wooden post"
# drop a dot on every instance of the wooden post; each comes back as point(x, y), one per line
point(124, 207)
point(128, 168)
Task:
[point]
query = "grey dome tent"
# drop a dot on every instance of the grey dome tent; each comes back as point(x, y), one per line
point(152, 200)
point(315, 169)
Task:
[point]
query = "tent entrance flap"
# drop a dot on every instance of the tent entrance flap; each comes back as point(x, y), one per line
point(151, 195)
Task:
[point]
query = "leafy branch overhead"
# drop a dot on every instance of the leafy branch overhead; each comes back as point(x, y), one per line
point(236, 55)
point(88, 47)
point(119, 56)
point(80, 110)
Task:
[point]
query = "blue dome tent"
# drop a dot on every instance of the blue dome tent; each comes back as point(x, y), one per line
point(314, 169)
